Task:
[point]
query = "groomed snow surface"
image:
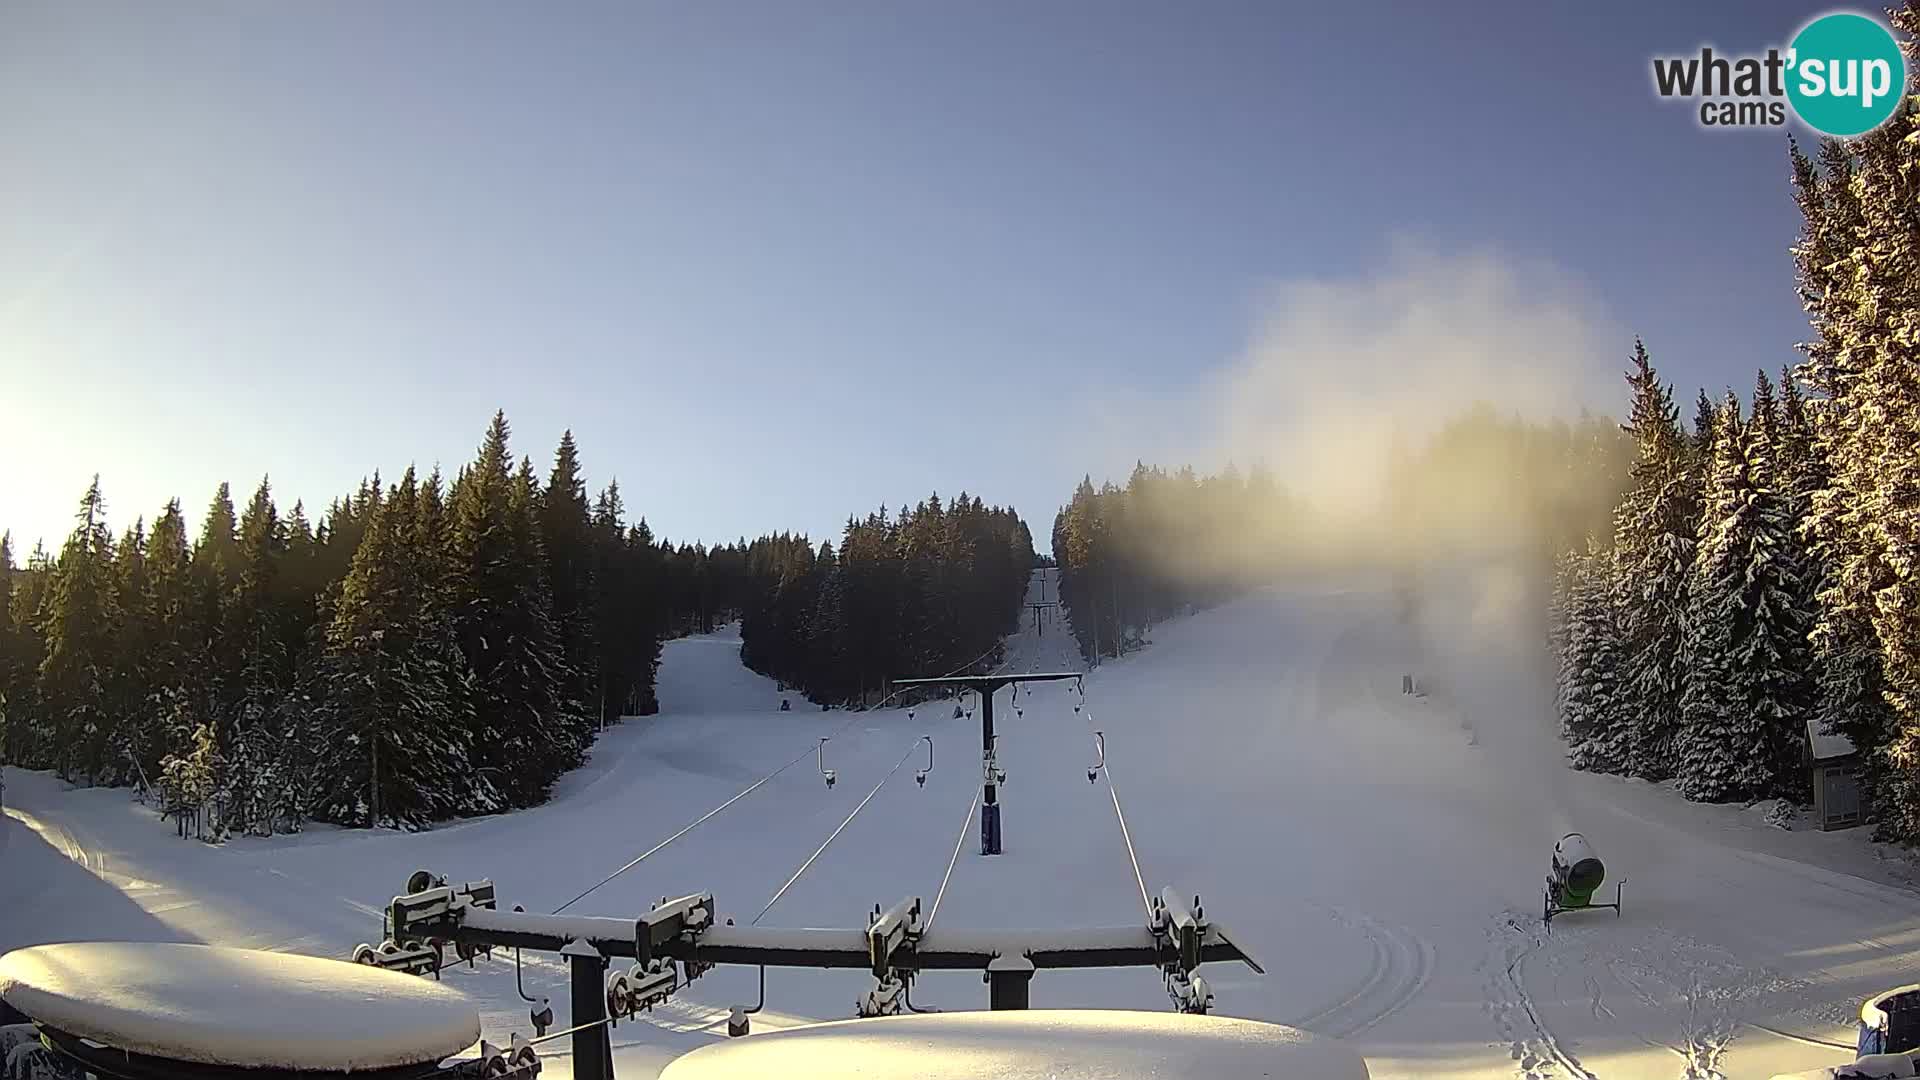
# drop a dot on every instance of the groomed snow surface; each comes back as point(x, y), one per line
point(1382, 854)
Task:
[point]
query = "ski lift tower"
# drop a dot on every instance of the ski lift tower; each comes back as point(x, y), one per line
point(986, 686)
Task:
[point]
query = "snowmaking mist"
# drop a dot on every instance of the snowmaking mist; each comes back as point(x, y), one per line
point(1384, 405)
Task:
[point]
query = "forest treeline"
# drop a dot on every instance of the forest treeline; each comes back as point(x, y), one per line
point(1168, 543)
point(1763, 569)
point(1173, 542)
point(927, 592)
point(427, 649)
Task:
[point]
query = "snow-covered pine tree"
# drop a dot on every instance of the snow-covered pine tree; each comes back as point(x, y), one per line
point(77, 624)
point(264, 666)
point(1722, 747)
point(1883, 336)
point(1704, 412)
point(1596, 729)
point(1773, 666)
point(29, 733)
point(1654, 540)
point(1848, 664)
point(536, 675)
point(528, 726)
point(397, 686)
point(173, 641)
point(129, 684)
point(1566, 570)
point(566, 534)
point(11, 663)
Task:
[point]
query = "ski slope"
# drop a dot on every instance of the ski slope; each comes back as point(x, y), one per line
point(1381, 854)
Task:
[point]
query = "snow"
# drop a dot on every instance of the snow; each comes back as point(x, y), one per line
point(223, 1006)
point(1381, 855)
point(1035, 1045)
point(1825, 746)
point(1871, 1067)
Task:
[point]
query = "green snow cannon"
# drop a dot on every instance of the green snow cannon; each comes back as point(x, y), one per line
point(1576, 875)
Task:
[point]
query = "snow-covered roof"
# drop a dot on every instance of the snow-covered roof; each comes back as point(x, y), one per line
point(1824, 745)
point(1029, 1045)
point(221, 1006)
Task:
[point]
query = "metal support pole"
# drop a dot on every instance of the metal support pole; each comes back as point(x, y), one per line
point(592, 1047)
point(1009, 982)
point(990, 800)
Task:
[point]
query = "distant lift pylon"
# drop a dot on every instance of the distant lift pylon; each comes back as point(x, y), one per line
point(992, 775)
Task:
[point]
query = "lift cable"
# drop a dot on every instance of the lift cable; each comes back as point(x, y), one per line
point(1114, 790)
point(966, 825)
point(689, 827)
point(836, 832)
point(709, 815)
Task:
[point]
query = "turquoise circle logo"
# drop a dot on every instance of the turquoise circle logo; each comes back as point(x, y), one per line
point(1846, 74)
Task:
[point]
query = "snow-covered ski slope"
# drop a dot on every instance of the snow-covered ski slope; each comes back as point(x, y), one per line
point(1381, 854)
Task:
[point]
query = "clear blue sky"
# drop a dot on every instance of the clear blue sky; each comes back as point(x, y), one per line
point(774, 263)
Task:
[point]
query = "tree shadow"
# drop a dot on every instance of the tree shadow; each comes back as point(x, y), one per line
point(48, 898)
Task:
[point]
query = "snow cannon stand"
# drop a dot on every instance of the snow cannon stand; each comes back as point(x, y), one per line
point(146, 1011)
point(1576, 875)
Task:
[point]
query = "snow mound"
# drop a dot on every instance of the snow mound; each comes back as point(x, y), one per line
point(238, 1007)
point(1064, 1044)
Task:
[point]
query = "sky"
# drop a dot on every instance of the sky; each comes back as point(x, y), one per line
point(776, 263)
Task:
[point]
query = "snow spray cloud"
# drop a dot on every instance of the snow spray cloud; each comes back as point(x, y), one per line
point(1394, 406)
point(1345, 377)
point(1342, 379)
point(1341, 372)
point(1347, 381)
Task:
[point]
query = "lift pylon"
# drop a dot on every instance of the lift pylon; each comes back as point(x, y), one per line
point(992, 776)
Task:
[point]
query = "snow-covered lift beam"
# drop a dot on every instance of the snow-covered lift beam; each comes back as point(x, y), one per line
point(893, 946)
point(986, 686)
point(935, 950)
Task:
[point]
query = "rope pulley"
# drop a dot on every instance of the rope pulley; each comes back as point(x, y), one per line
point(824, 771)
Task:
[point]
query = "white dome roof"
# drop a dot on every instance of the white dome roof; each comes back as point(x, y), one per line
point(220, 1006)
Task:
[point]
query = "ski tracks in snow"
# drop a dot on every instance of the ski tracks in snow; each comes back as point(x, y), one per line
point(1657, 977)
point(1402, 962)
point(1537, 1053)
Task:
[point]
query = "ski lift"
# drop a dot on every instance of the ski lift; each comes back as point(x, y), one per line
point(824, 771)
point(1100, 761)
point(920, 777)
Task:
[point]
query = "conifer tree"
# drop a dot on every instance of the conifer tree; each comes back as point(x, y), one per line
point(1592, 719)
point(77, 624)
point(1722, 745)
point(1774, 664)
point(1654, 544)
point(14, 666)
point(131, 688)
point(398, 686)
point(566, 529)
point(527, 727)
point(174, 640)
